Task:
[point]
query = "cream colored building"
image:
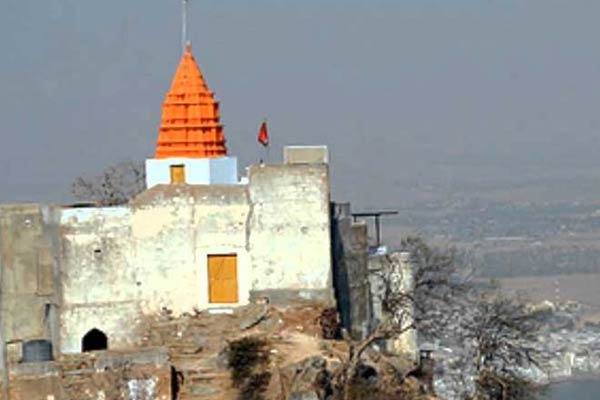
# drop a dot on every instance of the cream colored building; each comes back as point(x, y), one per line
point(191, 247)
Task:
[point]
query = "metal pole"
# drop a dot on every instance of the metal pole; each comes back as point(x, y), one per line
point(267, 152)
point(3, 352)
point(184, 25)
point(378, 229)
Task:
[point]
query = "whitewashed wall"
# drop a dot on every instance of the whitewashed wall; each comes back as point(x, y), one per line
point(121, 263)
point(290, 227)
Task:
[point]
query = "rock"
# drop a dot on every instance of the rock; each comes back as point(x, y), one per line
point(254, 318)
point(304, 395)
point(316, 362)
point(203, 390)
point(200, 342)
point(307, 377)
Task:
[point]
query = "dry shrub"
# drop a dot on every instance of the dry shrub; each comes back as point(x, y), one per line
point(255, 386)
point(248, 360)
point(330, 324)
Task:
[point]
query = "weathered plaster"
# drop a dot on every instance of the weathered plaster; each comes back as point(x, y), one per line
point(120, 263)
point(394, 272)
point(120, 321)
point(290, 228)
point(65, 271)
point(27, 271)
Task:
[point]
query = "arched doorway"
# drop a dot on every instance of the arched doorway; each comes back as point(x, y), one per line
point(95, 339)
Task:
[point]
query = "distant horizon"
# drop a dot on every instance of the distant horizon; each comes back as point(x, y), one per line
point(405, 94)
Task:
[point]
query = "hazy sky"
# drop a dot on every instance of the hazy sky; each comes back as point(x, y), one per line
point(405, 93)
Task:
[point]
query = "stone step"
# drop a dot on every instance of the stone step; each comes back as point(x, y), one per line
point(199, 392)
point(207, 378)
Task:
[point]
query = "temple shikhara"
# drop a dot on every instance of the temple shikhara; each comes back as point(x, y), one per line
point(201, 239)
point(190, 125)
point(191, 145)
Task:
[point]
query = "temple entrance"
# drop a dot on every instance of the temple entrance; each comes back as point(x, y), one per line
point(222, 278)
point(94, 340)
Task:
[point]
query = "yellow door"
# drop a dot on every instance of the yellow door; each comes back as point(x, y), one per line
point(222, 279)
point(177, 174)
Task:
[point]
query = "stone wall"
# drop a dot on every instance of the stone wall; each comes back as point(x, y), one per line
point(98, 282)
point(289, 230)
point(28, 276)
point(129, 376)
point(350, 255)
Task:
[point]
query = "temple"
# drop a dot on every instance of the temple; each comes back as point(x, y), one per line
point(200, 240)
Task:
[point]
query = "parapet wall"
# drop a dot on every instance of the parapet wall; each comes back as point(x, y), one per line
point(138, 375)
point(289, 230)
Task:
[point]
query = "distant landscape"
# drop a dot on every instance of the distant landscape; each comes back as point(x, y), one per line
point(540, 237)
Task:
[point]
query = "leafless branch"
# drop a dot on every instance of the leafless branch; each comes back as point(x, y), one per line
point(114, 186)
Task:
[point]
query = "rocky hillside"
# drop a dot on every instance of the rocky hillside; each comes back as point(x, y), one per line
point(265, 352)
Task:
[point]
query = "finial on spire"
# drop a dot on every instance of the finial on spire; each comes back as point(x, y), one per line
point(184, 40)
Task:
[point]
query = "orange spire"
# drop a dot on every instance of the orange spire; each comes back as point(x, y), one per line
point(190, 125)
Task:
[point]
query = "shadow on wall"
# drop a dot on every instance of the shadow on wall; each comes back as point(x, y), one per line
point(350, 270)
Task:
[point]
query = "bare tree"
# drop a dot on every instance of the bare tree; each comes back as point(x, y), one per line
point(496, 330)
point(400, 322)
point(499, 331)
point(115, 185)
point(441, 288)
point(399, 304)
point(441, 302)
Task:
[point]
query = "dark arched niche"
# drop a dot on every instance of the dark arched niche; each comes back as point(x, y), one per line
point(95, 339)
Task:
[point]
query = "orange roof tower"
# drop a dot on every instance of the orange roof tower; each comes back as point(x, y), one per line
point(190, 126)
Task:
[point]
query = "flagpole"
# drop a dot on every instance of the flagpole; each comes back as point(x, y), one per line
point(263, 139)
point(268, 146)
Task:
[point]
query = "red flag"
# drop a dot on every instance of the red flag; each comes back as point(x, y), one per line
point(263, 136)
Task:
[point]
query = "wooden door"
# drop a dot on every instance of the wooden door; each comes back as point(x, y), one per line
point(177, 173)
point(222, 278)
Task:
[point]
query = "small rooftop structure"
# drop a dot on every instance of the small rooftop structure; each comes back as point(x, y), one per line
point(305, 155)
